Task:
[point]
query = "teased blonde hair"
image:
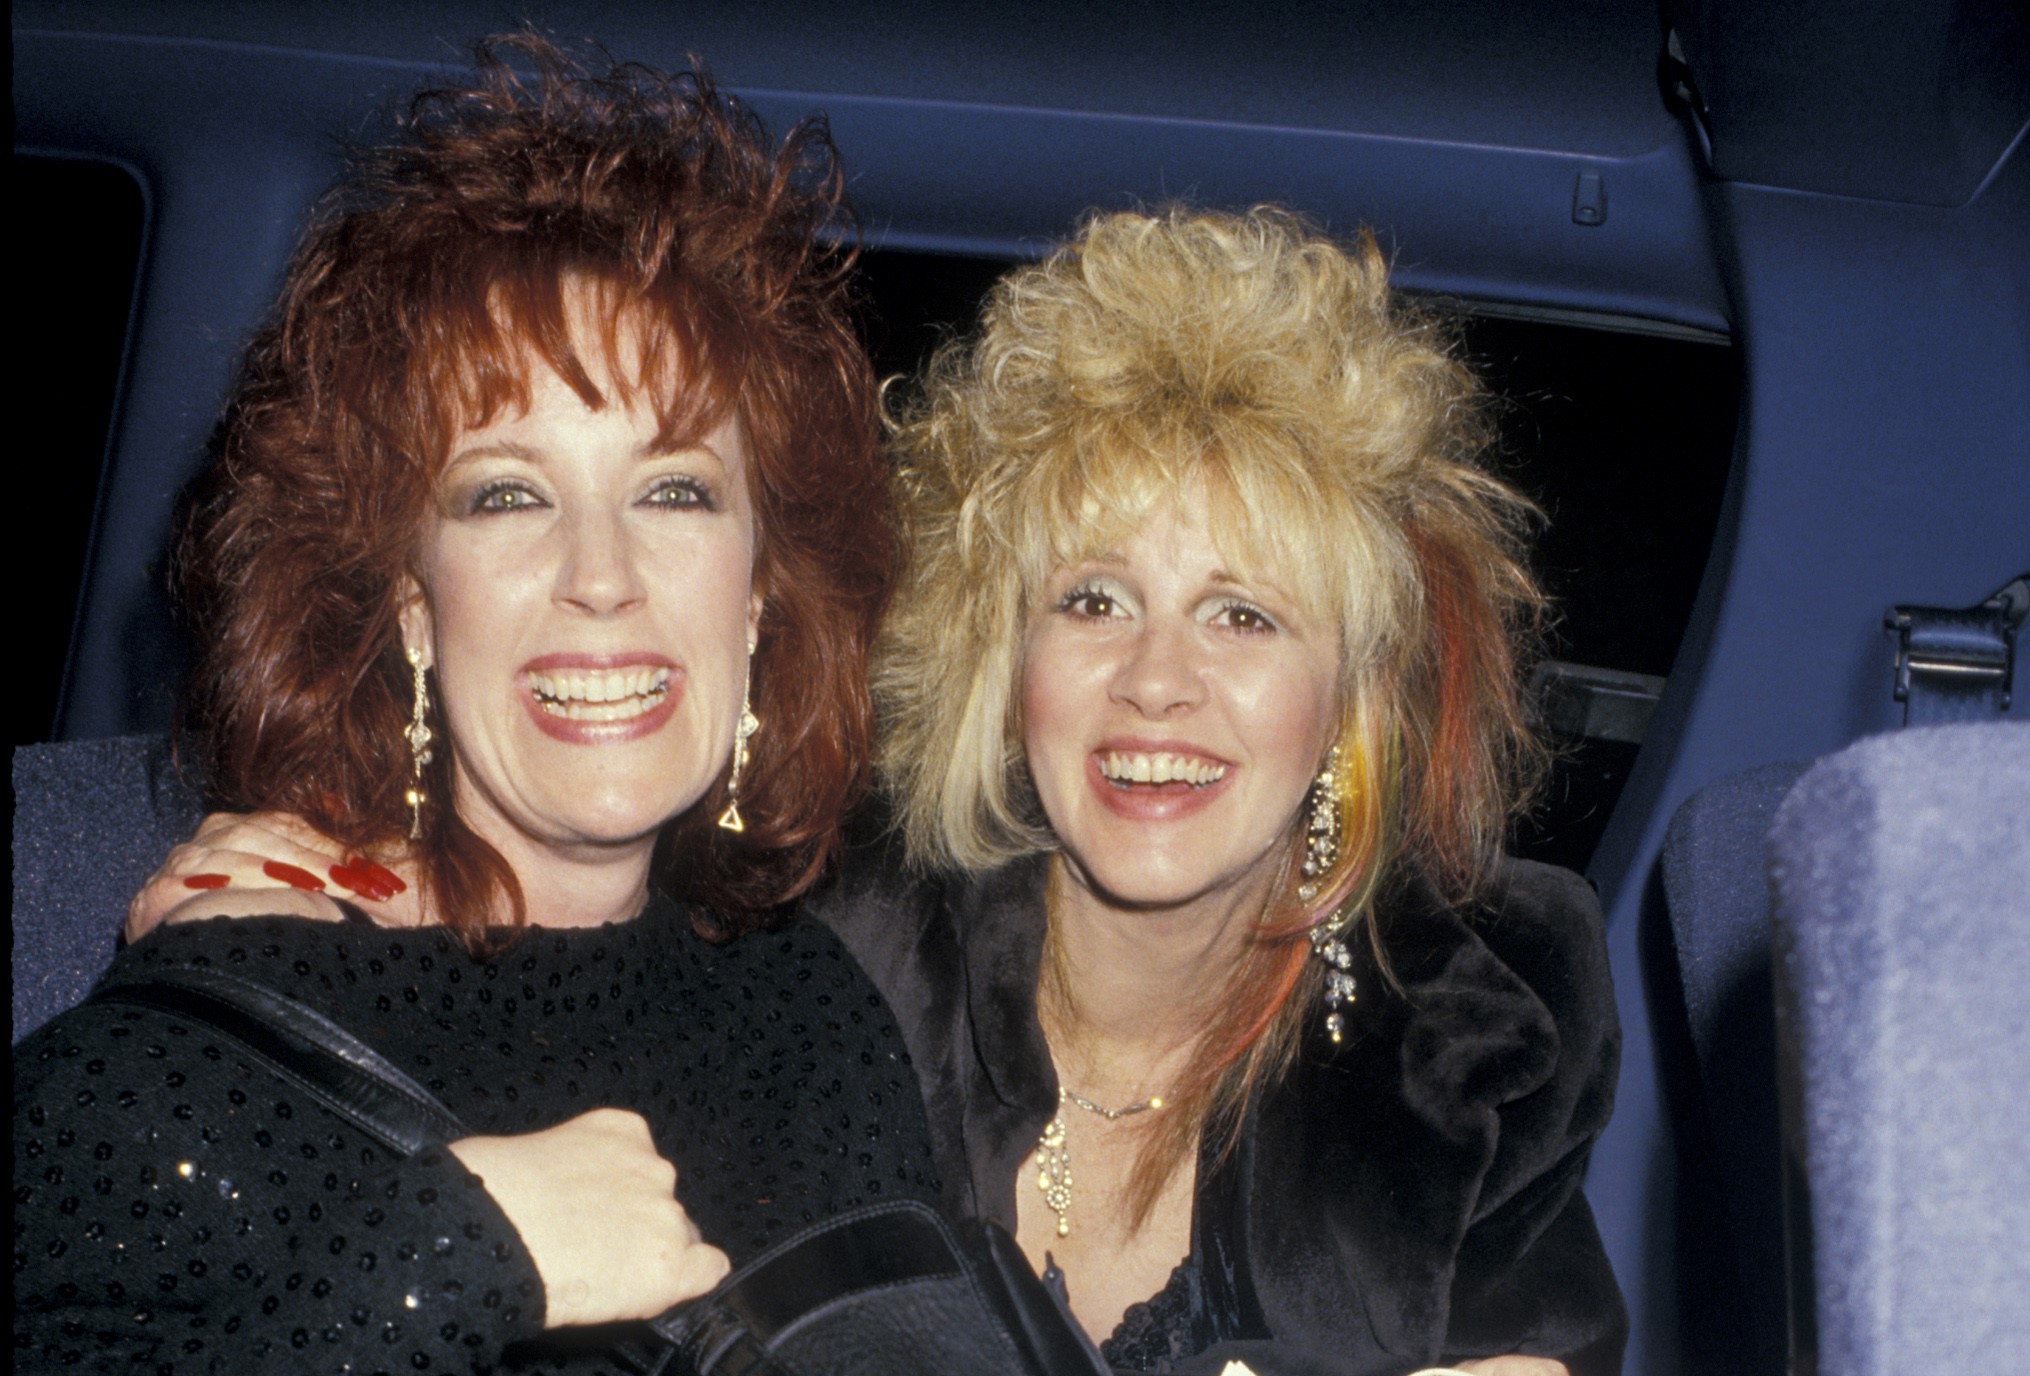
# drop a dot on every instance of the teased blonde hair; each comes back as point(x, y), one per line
point(1338, 441)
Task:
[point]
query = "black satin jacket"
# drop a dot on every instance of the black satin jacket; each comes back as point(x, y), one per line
point(1406, 1197)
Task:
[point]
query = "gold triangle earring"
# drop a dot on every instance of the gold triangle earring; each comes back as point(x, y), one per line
point(730, 819)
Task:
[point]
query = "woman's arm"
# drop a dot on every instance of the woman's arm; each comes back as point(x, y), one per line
point(178, 1206)
point(1531, 1271)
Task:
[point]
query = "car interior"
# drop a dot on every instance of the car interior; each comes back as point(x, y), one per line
point(1751, 281)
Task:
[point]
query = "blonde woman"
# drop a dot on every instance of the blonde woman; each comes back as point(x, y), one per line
point(1202, 725)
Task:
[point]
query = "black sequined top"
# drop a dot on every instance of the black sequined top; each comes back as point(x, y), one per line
point(178, 1210)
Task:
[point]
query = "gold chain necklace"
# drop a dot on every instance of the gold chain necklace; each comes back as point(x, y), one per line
point(1053, 1157)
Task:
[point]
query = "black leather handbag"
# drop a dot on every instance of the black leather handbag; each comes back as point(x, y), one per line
point(889, 1289)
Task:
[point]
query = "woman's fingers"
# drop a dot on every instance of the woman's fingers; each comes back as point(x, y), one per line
point(645, 1256)
point(297, 842)
point(267, 851)
point(288, 840)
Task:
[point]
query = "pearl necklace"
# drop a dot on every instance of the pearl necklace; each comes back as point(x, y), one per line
point(1053, 1157)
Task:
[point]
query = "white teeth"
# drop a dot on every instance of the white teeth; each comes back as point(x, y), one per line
point(600, 694)
point(1161, 767)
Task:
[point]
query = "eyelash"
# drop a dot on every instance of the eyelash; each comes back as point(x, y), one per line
point(486, 502)
point(1229, 612)
point(696, 494)
point(1265, 624)
point(1086, 592)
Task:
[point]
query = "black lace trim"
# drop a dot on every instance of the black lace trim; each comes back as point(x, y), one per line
point(1160, 1330)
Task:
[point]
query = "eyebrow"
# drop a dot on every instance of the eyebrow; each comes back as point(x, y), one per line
point(500, 449)
point(1116, 561)
point(643, 452)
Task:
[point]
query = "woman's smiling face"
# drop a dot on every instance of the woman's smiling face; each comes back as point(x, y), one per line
point(1174, 713)
point(588, 608)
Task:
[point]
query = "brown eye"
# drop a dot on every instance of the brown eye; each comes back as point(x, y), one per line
point(1088, 601)
point(1243, 616)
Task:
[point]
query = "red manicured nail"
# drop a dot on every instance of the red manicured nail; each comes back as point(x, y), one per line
point(289, 874)
point(207, 881)
point(360, 883)
point(380, 875)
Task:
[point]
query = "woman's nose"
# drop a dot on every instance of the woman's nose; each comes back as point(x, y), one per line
point(599, 573)
point(1161, 676)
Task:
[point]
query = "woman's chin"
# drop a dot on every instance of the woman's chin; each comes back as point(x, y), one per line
point(620, 826)
point(1152, 884)
point(577, 823)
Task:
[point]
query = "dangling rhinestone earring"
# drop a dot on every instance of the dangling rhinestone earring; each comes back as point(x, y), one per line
point(1321, 853)
point(1321, 835)
point(730, 819)
point(1328, 943)
point(419, 734)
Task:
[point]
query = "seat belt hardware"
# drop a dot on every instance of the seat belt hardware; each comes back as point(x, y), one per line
point(1958, 663)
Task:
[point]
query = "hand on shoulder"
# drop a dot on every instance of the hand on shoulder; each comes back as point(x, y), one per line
point(263, 863)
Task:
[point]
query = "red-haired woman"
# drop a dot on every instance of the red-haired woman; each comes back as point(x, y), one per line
point(1201, 682)
point(542, 552)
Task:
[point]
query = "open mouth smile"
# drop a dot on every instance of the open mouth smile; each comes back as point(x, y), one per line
point(600, 699)
point(1156, 785)
point(600, 695)
point(1127, 768)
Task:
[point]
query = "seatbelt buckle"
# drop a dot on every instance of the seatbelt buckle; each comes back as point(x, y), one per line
point(1958, 663)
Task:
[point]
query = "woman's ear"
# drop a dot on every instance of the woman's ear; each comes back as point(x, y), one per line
point(419, 631)
point(755, 602)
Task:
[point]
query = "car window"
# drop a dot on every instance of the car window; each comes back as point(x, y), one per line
point(77, 228)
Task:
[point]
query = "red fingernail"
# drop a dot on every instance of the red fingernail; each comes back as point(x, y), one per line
point(378, 875)
point(363, 884)
point(289, 874)
point(207, 881)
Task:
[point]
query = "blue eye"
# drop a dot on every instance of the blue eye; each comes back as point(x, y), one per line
point(505, 494)
point(680, 493)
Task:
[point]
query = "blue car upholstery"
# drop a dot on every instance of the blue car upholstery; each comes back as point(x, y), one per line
point(1716, 899)
point(1900, 877)
point(92, 820)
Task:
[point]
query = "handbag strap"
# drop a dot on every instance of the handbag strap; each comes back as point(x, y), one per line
point(856, 1257)
point(303, 1047)
point(874, 1247)
point(321, 1059)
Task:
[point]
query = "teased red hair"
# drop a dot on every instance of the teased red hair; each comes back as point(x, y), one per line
point(432, 280)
